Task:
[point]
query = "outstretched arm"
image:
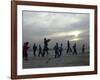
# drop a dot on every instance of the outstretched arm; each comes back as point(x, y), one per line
point(49, 40)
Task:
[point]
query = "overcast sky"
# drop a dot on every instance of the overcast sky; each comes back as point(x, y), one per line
point(59, 27)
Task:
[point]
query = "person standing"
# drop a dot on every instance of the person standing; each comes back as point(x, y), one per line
point(25, 49)
point(45, 50)
point(60, 50)
point(40, 50)
point(56, 48)
point(83, 48)
point(68, 47)
point(34, 49)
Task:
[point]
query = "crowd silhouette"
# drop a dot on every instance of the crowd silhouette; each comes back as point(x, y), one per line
point(42, 52)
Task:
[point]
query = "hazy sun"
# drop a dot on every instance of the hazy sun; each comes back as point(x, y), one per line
point(62, 34)
point(75, 33)
point(76, 39)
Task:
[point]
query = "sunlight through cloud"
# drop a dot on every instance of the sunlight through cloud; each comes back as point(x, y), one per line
point(76, 39)
point(63, 34)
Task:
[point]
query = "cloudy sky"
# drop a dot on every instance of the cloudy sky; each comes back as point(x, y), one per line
point(59, 27)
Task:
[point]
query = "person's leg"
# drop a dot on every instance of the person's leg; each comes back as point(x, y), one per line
point(39, 53)
point(59, 53)
point(34, 52)
point(26, 56)
point(47, 51)
point(55, 54)
point(67, 51)
point(70, 49)
point(43, 53)
point(76, 51)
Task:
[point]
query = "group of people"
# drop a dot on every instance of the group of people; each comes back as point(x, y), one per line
point(59, 49)
point(42, 52)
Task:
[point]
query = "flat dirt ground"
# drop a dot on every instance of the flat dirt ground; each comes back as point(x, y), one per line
point(49, 61)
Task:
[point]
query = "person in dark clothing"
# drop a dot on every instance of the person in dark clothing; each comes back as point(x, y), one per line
point(68, 47)
point(25, 49)
point(83, 48)
point(60, 50)
point(46, 41)
point(74, 49)
point(56, 48)
point(34, 49)
point(40, 50)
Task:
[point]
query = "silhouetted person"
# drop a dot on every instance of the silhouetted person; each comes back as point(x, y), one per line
point(60, 50)
point(74, 49)
point(68, 47)
point(40, 51)
point(46, 46)
point(83, 48)
point(25, 49)
point(34, 49)
point(56, 48)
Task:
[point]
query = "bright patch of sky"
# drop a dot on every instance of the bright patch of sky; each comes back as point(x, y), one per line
point(59, 27)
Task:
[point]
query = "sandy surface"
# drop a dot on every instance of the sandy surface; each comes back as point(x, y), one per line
point(49, 61)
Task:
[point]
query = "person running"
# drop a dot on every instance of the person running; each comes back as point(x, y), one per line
point(60, 50)
point(83, 48)
point(40, 50)
point(45, 50)
point(74, 49)
point(68, 47)
point(34, 49)
point(56, 48)
point(25, 49)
